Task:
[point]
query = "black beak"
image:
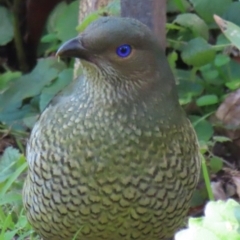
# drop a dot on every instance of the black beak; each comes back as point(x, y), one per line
point(73, 48)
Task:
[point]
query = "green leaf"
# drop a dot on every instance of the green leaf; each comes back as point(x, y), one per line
point(218, 211)
point(194, 23)
point(172, 58)
point(209, 74)
point(207, 100)
point(87, 20)
point(51, 37)
point(216, 164)
point(30, 119)
point(202, 127)
point(221, 139)
point(67, 22)
point(31, 84)
point(233, 85)
point(10, 198)
point(221, 60)
point(232, 13)
point(229, 72)
point(13, 178)
point(62, 21)
point(206, 9)
point(177, 5)
point(198, 52)
point(222, 42)
point(180, 5)
point(64, 78)
point(13, 114)
point(6, 78)
point(221, 219)
point(197, 199)
point(6, 26)
point(196, 233)
point(221, 222)
point(54, 17)
point(9, 235)
point(112, 9)
point(230, 30)
point(187, 87)
point(8, 162)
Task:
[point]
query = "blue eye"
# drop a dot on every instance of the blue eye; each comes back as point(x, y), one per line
point(124, 50)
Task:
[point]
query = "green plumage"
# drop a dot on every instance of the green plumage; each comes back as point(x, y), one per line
point(112, 157)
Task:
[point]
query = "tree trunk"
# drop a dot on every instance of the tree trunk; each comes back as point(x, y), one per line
point(151, 12)
point(86, 7)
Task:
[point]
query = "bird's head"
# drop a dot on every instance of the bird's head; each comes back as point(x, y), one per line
point(123, 50)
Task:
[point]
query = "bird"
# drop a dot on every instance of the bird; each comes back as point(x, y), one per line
point(113, 156)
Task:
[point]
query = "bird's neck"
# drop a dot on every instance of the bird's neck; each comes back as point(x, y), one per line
point(115, 92)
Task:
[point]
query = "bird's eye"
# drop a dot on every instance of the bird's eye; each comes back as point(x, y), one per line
point(124, 50)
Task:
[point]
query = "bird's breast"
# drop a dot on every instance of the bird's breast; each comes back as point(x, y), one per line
point(113, 172)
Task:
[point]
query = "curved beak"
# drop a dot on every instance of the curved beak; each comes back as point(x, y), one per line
point(73, 48)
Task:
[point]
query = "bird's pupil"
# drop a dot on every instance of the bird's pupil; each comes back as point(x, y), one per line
point(124, 50)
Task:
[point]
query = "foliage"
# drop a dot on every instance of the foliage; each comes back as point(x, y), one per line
point(230, 30)
point(221, 222)
point(61, 25)
point(24, 97)
point(46, 79)
point(12, 218)
point(112, 9)
point(207, 75)
point(204, 76)
point(6, 26)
